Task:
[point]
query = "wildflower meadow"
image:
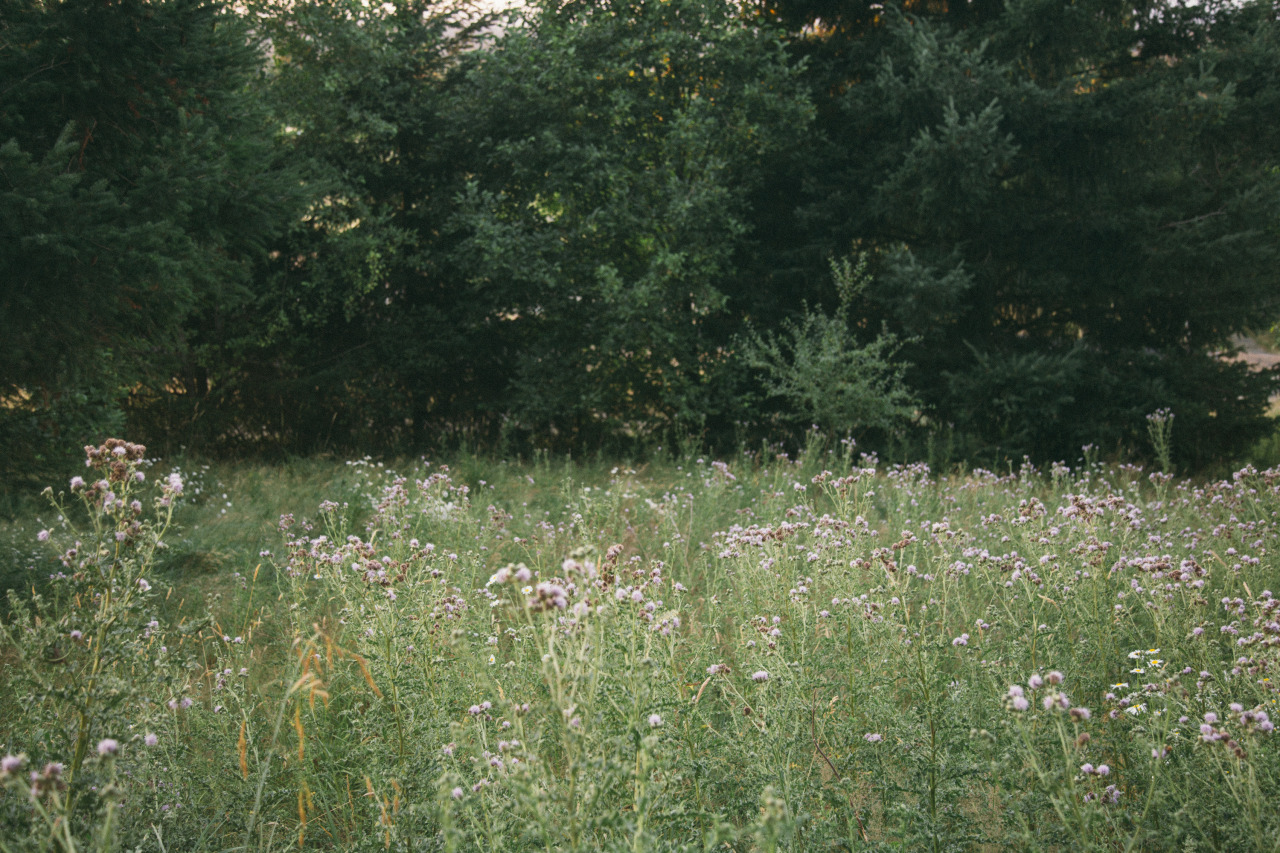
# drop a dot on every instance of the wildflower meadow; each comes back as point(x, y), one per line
point(761, 653)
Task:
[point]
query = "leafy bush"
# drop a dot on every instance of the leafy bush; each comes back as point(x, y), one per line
point(824, 376)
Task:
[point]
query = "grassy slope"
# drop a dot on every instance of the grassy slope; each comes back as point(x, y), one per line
point(884, 717)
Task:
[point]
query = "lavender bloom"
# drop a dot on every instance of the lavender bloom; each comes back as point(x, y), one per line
point(872, 737)
point(151, 739)
point(760, 676)
point(654, 721)
point(108, 746)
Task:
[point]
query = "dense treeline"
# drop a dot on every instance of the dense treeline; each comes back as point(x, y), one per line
point(1014, 227)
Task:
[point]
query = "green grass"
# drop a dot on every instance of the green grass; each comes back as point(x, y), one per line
point(771, 654)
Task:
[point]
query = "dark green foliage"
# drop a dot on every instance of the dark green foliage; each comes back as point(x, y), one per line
point(352, 335)
point(1074, 208)
point(616, 145)
point(321, 224)
point(138, 188)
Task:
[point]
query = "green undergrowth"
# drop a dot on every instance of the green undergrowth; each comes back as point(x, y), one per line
point(763, 654)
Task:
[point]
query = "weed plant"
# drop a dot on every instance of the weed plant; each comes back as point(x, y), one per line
point(769, 654)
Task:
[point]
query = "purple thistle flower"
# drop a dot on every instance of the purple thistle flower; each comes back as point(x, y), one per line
point(872, 737)
point(1035, 682)
point(108, 746)
point(760, 676)
point(151, 739)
